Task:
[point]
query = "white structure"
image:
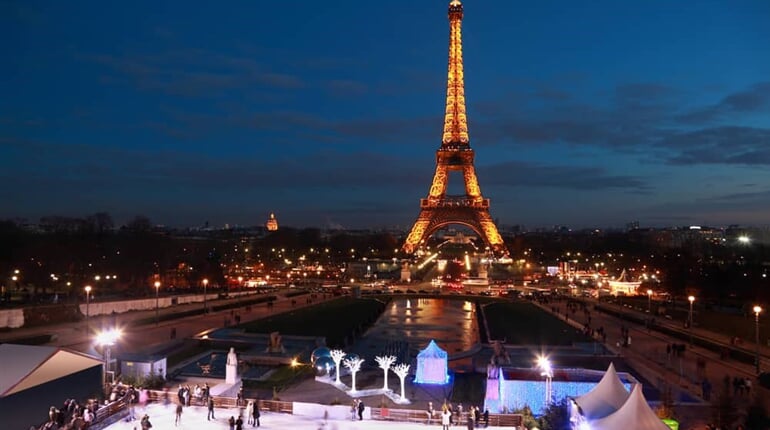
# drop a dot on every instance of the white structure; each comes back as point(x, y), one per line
point(432, 365)
point(604, 399)
point(354, 365)
point(385, 363)
point(231, 368)
point(337, 355)
point(401, 370)
point(635, 413)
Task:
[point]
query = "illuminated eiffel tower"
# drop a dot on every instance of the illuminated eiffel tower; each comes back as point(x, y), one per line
point(455, 155)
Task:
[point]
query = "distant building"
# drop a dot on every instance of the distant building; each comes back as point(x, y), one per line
point(272, 223)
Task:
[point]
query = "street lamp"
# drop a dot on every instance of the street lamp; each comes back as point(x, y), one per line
point(88, 311)
point(546, 370)
point(205, 283)
point(157, 291)
point(691, 299)
point(106, 340)
point(757, 310)
point(649, 301)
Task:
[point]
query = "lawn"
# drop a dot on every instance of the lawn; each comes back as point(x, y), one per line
point(334, 320)
point(523, 323)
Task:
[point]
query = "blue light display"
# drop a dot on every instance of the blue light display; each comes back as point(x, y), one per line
point(517, 394)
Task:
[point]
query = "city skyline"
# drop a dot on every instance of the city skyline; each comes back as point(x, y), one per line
point(330, 115)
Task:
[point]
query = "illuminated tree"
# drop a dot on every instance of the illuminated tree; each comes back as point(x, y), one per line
point(354, 365)
point(401, 370)
point(385, 363)
point(337, 356)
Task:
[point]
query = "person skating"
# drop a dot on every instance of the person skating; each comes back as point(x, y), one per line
point(178, 418)
point(360, 410)
point(255, 411)
point(211, 409)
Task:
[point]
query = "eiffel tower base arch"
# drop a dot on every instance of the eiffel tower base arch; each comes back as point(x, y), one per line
point(434, 218)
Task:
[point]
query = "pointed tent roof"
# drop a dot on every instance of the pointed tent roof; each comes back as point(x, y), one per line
point(635, 413)
point(432, 351)
point(605, 398)
point(26, 366)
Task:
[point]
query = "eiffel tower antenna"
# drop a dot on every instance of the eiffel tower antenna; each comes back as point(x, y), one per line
point(455, 155)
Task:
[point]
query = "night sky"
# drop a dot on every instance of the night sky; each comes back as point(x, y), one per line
point(586, 114)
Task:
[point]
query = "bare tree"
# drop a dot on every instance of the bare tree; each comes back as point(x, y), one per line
point(337, 356)
point(354, 365)
point(401, 369)
point(385, 363)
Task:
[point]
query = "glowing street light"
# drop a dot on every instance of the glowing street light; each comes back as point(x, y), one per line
point(106, 340)
point(157, 292)
point(546, 370)
point(757, 310)
point(691, 299)
point(88, 303)
point(205, 283)
point(649, 301)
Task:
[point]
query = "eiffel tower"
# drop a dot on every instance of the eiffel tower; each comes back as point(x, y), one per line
point(455, 155)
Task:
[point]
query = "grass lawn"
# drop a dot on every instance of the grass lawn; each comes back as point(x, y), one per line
point(334, 320)
point(523, 323)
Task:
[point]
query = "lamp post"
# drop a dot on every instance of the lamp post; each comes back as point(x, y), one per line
point(757, 310)
point(205, 283)
point(691, 299)
point(88, 305)
point(157, 291)
point(649, 301)
point(106, 340)
point(545, 366)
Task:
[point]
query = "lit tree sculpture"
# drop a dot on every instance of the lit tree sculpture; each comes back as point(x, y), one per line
point(401, 370)
point(337, 356)
point(354, 365)
point(384, 363)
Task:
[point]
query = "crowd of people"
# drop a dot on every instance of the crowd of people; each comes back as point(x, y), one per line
point(454, 415)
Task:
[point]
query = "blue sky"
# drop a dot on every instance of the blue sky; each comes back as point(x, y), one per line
point(329, 113)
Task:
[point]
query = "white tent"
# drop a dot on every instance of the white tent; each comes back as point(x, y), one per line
point(27, 366)
point(432, 365)
point(605, 398)
point(35, 377)
point(635, 413)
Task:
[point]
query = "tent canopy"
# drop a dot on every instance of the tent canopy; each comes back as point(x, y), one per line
point(635, 413)
point(605, 398)
point(432, 365)
point(432, 351)
point(26, 366)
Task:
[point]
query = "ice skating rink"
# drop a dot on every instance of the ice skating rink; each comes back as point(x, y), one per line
point(194, 418)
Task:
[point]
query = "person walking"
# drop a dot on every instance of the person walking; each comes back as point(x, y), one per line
point(486, 417)
point(231, 422)
point(353, 409)
point(178, 418)
point(239, 423)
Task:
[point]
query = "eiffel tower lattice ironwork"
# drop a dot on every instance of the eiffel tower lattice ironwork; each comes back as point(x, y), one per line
point(455, 155)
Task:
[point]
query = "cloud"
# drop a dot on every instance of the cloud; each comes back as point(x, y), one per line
point(754, 99)
point(720, 145)
point(194, 73)
point(521, 174)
